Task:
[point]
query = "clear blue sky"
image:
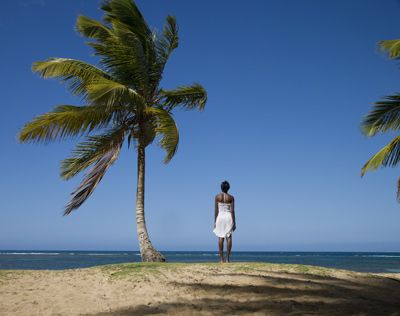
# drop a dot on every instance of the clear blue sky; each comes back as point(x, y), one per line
point(288, 83)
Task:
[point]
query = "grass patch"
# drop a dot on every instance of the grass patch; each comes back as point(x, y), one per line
point(302, 268)
point(5, 273)
point(249, 266)
point(139, 268)
point(142, 269)
point(307, 269)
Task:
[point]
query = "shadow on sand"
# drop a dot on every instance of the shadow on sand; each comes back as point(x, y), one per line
point(280, 294)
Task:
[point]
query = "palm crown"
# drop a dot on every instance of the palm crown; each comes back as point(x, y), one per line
point(384, 117)
point(123, 100)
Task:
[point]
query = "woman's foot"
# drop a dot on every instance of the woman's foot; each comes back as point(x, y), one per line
point(228, 260)
point(222, 260)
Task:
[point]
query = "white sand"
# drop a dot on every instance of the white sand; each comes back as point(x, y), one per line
point(198, 289)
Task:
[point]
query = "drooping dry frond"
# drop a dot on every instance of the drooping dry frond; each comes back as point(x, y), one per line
point(91, 150)
point(92, 178)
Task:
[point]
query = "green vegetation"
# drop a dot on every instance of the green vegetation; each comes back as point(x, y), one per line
point(139, 269)
point(143, 269)
point(4, 273)
point(385, 117)
point(9, 273)
point(123, 102)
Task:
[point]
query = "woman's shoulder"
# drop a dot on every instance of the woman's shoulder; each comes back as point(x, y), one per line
point(220, 197)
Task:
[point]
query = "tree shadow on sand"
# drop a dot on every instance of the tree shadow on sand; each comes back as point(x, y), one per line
point(280, 294)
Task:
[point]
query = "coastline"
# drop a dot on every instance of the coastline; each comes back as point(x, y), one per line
point(370, 262)
point(198, 289)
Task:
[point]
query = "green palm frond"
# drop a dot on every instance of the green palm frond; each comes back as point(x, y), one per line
point(120, 50)
point(92, 178)
point(168, 41)
point(392, 47)
point(91, 150)
point(164, 45)
point(126, 12)
point(91, 28)
point(387, 156)
point(66, 120)
point(166, 128)
point(126, 63)
point(124, 15)
point(77, 74)
point(189, 97)
point(109, 93)
point(383, 117)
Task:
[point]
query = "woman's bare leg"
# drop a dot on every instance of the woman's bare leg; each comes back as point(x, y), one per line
point(228, 247)
point(221, 249)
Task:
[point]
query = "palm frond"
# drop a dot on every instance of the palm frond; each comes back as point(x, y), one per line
point(91, 150)
point(66, 120)
point(125, 62)
point(75, 73)
point(124, 15)
point(168, 41)
point(92, 178)
point(387, 156)
point(189, 97)
point(383, 117)
point(164, 45)
point(91, 28)
point(392, 47)
point(166, 128)
point(120, 50)
point(110, 93)
point(128, 13)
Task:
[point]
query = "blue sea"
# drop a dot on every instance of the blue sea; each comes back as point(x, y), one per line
point(59, 260)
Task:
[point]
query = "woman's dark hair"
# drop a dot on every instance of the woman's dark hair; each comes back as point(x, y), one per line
point(225, 186)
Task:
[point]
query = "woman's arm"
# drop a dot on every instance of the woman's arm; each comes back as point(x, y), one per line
point(215, 211)
point(233, 213)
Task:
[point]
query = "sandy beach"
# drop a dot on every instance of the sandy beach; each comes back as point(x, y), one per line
point(198, 289)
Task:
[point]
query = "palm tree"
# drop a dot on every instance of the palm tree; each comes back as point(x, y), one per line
point(123, 101)
point(385, 116)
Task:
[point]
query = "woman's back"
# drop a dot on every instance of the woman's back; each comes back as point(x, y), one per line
point(224, 198)
point(225, 202)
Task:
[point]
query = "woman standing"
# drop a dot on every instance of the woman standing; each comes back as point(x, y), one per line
point(224, 220)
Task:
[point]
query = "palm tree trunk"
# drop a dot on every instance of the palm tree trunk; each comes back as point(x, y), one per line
point(147, 251)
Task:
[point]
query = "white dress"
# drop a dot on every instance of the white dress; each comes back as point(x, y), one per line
point(224, 223)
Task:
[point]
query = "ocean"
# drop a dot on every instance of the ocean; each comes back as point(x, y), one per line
point(388, 262)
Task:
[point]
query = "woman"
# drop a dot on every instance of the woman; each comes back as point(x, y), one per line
point(224, 220)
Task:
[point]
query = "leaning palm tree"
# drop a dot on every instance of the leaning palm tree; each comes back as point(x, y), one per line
point(123, 102)
point(384, 117)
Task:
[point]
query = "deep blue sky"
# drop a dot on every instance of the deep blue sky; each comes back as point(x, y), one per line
point(288, 83)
